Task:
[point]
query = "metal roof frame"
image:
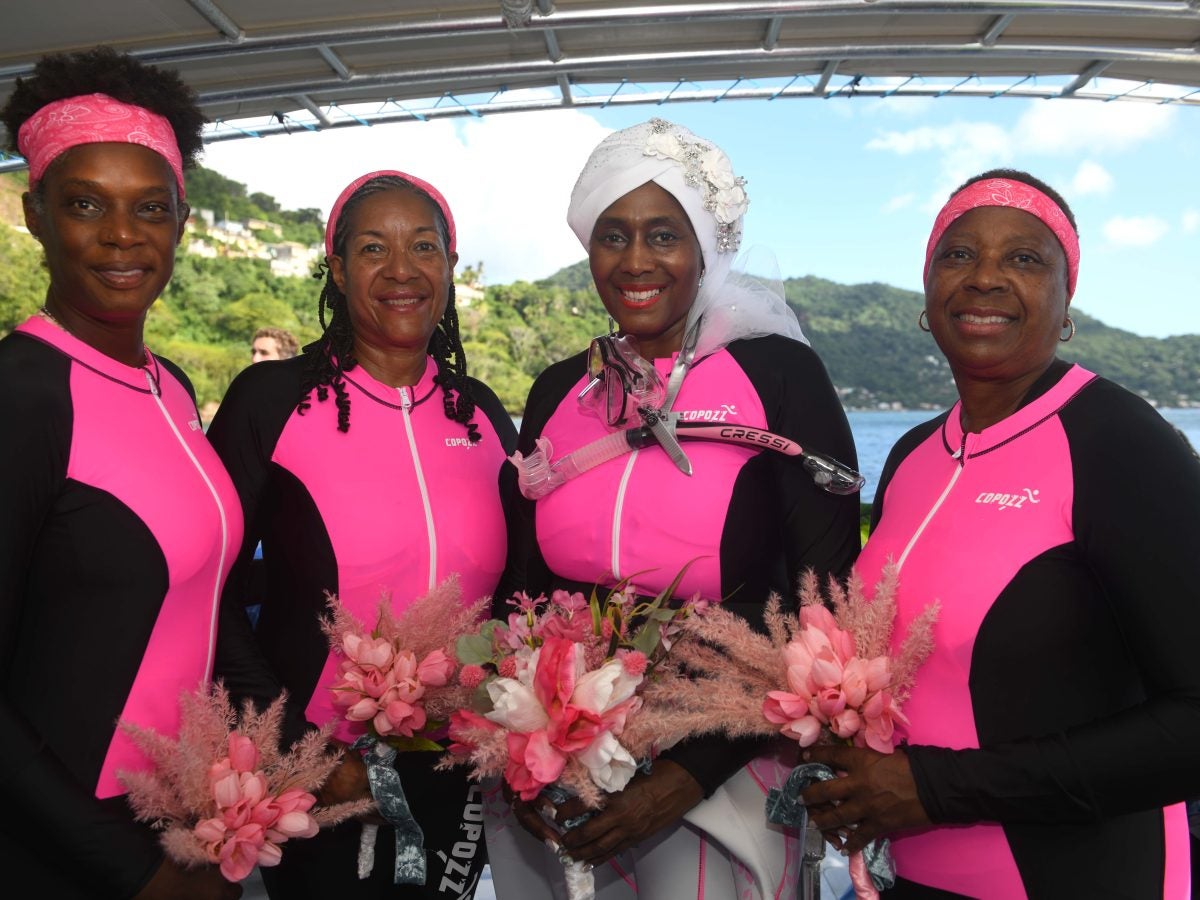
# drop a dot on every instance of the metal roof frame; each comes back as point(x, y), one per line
point(263, 67)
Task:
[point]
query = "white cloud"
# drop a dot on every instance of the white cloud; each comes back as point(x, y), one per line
point(898, 202)
point(1063, 127)
point(1135, 231)
point(964, 149)
point(1191, 220)
point(1091, 178)
point(507, 178)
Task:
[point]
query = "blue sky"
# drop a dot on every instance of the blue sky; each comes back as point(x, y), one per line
point(844, 189)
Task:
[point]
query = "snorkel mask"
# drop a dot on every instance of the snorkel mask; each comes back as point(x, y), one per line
point(621, 381)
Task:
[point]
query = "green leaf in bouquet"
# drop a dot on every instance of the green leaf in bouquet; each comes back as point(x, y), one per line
point(646, 640)
point(473, 649)
point(668, 592)
point(597, 614)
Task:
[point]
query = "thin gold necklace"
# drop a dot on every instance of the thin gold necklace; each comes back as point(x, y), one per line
point(49, 317)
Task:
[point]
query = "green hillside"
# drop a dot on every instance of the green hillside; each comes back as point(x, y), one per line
point(866, 333)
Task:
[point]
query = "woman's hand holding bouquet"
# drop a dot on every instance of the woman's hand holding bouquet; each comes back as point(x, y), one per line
point(819, 677)
point(559, 695)
point(396, 687)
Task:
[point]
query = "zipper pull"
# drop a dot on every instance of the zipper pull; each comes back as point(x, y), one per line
point(151, 382)
point(405, 399)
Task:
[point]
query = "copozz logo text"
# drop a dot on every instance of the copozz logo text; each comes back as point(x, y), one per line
point(709, 415)
point(459, 442)
point(1009, 501)
point(461, 874)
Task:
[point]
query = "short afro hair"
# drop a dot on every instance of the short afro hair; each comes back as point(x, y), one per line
point(103, 70)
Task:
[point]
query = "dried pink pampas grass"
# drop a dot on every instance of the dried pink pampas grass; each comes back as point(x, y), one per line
point(735, 668)
point(176, 793)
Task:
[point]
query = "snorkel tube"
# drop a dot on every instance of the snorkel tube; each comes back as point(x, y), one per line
point(537, 475)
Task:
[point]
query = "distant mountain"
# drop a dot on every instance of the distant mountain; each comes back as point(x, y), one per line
point(867, 336)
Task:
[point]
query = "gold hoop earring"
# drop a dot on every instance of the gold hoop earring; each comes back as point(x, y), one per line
point(1070, 323)
point(923, 321)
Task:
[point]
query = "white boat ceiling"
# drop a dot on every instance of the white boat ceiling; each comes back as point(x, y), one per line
point(271, 66)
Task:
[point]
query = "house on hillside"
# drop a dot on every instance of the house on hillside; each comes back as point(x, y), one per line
point(292, 259)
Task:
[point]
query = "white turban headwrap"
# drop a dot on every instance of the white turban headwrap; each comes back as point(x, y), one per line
point(698, 174)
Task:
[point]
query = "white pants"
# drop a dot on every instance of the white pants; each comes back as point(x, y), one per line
point(724, 849)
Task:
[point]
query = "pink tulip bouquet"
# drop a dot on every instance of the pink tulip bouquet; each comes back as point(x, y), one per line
point(396, 689)
point(820, 675)
point(396, 681)
point(226, 795)
point(558, 691)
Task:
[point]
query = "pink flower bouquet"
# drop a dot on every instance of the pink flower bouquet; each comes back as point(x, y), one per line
point(558, 691)
point(396, 681)
point(396, 689)
point(558, 699)
point(816, 676)
point(227, 795)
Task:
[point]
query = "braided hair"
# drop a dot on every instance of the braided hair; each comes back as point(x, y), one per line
point(327, 359)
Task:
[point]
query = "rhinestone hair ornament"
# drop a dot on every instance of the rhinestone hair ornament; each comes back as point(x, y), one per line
point(1018, 195)
point(94, 119)
point(699, 175)
point(348, 192)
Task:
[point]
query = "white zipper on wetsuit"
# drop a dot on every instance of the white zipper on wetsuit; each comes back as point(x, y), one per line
point(617, 508)
point(961, 457)
point(212, 489)
point(405, 406)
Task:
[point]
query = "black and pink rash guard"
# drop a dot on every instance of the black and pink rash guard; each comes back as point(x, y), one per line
point(394, 505)
point(751, 520)
point(1056, 726)
point(118, 526)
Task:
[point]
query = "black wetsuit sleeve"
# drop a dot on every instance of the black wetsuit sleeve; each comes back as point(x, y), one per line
point(526, 569)
point(1136, 517)
point(489, 405)
point(244, 433)
point(819, 530)
point(45, 805)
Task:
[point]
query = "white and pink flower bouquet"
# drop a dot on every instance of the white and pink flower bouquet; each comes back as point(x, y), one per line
point(559, 702)
point(816, 676)
point(396, 679)
point(222, 792)
point(558, 691)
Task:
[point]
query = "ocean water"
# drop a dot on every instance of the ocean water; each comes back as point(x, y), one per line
point(876, 432)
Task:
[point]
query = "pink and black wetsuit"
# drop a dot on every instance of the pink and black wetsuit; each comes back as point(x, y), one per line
point(1057, 722)
point(118, 526)
point(751, 520)
point(394, 505)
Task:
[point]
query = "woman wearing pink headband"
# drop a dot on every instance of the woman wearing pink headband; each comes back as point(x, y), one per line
point(1051, 736)
point(370, 465)
point(118, 524)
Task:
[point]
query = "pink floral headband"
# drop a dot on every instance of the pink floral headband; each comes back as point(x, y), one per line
point(94, 119)
point(1017, 194)
point(344, 196)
